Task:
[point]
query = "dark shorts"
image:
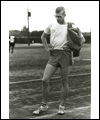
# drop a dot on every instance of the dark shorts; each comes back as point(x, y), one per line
point(12, 44)
point(60, 58)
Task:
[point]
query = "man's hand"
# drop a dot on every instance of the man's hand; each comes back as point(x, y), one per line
point(50, 48)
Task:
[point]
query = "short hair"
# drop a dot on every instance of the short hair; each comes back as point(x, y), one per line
point(60, 9)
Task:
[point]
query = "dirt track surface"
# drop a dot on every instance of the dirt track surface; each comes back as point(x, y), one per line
point(25, 98)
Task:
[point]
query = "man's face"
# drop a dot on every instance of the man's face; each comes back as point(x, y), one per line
point(60, 18)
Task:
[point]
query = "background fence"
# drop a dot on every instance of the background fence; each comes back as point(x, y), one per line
point(38, 40)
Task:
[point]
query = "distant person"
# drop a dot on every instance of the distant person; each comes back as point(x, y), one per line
point(11, 44)
point(59, 57)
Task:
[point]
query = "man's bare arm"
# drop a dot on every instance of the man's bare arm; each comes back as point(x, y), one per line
point(83, 40)
point(44, 41)
point(82, 37)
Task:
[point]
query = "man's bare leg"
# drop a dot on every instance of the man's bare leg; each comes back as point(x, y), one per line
point(65, 86)
point(48, 73)
point(12, 50)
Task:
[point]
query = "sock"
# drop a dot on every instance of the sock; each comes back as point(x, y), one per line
point(43, 104)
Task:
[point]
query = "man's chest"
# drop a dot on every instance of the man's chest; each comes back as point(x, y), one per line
point(58, 29)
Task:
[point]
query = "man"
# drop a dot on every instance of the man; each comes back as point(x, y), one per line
point(11, 44)
point(59, 57)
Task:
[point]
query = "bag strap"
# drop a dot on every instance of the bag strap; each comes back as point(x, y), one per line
point(69, 26)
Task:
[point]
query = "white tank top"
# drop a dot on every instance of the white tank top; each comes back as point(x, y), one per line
point(58, 35)
point(11, 39)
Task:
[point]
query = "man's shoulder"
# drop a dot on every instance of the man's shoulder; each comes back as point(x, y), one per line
point(70, 23)
point(51, 25)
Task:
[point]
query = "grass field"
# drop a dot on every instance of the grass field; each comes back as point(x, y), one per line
point(28, 63)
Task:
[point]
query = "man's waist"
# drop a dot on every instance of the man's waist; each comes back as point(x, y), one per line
point(64, 47)
point(11, 41)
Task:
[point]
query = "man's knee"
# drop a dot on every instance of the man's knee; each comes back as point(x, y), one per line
point(65, 82)
point(45, 81)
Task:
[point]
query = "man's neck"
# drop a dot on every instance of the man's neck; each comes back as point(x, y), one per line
point(63, 23)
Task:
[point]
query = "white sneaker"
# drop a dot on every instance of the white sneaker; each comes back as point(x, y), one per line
point(61, 110)
point(40, 110)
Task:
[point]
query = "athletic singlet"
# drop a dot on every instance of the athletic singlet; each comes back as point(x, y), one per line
point(58, 35)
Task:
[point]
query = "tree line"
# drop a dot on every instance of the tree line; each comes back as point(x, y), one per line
point(35, 36)
point(24, 33)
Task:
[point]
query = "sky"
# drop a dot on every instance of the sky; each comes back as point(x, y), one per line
point(42, 14)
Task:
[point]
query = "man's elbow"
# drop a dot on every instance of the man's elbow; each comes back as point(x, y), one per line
point(83, 40)
point(41, 36)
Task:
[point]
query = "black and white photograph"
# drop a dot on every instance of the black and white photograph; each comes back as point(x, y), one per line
point(49, 60)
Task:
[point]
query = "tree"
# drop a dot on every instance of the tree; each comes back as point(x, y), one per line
point(24, 31)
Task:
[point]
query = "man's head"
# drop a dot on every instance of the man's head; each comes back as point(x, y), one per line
point(60, 14)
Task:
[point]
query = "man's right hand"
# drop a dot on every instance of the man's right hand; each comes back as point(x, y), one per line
point(50, 48)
